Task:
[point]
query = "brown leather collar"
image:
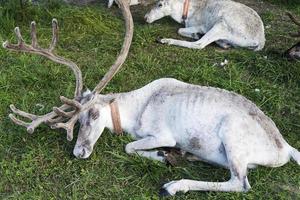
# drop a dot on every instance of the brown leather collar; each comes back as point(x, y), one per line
point(185, 10)
point(115, 116)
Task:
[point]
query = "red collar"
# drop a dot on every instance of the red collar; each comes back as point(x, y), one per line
point(185, 10)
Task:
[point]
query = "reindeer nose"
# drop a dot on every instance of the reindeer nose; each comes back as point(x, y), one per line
point(79, 153)
point(146, 17)
point(82, 153)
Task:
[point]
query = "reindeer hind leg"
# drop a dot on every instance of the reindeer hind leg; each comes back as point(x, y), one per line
point(237, 183)
point(237, 163)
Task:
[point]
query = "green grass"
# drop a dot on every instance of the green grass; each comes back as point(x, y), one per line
point(41, 166)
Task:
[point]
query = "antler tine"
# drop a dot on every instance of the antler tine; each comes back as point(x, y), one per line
point(36, 120)
point(19, 36)
point(71, 102)
point(54, 35)
point(295, 22)
point(124, 6)
point(20, 122)
point(293, 18)
point(29, 126)
point(22, 46)
point(63, 113)
point(20, 43)
point(34, 42)
point(68, 126)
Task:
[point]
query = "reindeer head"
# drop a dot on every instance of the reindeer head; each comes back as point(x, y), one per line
point(161, 9)
point(92, 123)
point(91, 127)
point(86, 107)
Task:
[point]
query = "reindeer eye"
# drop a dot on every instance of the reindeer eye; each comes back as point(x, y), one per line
point(94, 113)
point(160, 5)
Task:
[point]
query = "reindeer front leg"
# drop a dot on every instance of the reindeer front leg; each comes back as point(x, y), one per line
point(217, 32)
point(148, 143)
point(194, 32)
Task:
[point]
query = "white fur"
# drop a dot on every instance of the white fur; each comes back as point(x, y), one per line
point(214, 125)
point(225, 22)
point(131, 2)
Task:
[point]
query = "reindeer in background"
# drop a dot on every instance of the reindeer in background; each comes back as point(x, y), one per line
point(215, 125)
point(225, 22)
point(294, 51)
point(228, 23)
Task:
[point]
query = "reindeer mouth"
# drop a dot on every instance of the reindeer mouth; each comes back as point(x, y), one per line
point(147, 19)
point(82, 152)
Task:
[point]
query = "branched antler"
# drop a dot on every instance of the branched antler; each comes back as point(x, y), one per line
point(295, 22)
point(124, 6)
point(55, 116)
point(48, 53)
point(67, 115)
point(36, 120)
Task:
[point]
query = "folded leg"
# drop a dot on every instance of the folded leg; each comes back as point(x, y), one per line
point(217, 32)
point(148, 143)
point(194, 32)
point(237, 164)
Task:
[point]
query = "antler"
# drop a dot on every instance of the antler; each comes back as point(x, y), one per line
point(125, 48)
point(296, 22)
point(57, 118)
point(124, 6)
point(48, 53)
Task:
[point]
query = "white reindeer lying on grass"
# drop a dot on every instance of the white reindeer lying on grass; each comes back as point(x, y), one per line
point(225, 22)
point(215, 125)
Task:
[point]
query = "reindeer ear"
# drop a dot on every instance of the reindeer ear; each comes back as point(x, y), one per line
point(94, 113)
point(106, 99)
point(86, 92)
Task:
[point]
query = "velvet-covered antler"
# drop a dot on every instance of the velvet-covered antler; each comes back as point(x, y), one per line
point(62, 117)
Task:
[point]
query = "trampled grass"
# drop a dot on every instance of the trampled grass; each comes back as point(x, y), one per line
point(41, 166)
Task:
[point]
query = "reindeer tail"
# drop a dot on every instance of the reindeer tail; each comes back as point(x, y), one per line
point(295, 155)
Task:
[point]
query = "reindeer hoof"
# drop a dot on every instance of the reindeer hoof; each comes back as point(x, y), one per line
point(165, 41)
point(164, 193)
point(161, 153)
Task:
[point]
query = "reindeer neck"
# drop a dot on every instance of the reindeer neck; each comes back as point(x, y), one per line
point(177, 10)
point(194, 6)
point(131, 105)
point(129, 108)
